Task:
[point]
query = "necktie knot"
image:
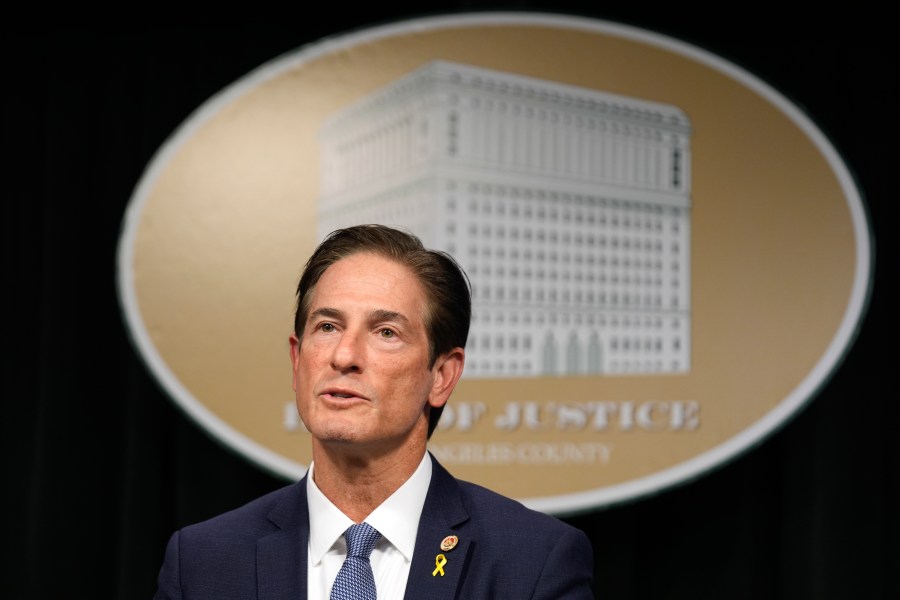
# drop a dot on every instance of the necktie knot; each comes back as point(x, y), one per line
point(361, 540)
point(355, 580)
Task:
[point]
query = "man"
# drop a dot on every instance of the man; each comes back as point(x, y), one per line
point(377, 349)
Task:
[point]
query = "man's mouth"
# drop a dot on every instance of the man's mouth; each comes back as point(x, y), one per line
point(342, 394)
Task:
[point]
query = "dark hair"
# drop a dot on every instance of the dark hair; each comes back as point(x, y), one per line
point(448, 311)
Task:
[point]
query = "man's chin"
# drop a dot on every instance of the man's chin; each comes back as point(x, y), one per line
point(337, 430)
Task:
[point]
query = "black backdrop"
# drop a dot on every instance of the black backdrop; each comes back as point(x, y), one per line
point(100, 466)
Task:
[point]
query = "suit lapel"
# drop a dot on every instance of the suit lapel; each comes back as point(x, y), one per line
point(281, 556)
point(442, 514)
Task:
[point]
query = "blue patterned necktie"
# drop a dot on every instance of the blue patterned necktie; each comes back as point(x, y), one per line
point(355, 580)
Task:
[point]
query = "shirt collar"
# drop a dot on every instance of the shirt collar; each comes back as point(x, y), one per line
point(397, 518)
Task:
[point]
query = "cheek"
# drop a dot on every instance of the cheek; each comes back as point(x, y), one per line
point(304, 378)
point(414, 384)
point(311, 357)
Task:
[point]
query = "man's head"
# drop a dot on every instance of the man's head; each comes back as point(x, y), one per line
point(447, 311)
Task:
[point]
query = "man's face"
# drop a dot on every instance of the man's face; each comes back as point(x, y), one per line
point(361, 373)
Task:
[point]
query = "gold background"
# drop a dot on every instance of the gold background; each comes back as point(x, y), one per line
point(230, 220)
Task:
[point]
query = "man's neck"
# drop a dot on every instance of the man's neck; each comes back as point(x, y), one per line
point(357, 483)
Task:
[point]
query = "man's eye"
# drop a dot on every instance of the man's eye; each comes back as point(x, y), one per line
point(327, 327)
point(387, 333)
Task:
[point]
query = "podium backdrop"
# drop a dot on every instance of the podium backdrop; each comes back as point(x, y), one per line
point(101, 466)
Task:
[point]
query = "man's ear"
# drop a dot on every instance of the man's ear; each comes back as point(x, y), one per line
point(447, 370)
point(294, 342)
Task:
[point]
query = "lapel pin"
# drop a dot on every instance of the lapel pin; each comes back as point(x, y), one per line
point(449, 543)
point(439, 561)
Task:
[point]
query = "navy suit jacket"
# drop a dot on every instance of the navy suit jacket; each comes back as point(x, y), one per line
point(505, 550)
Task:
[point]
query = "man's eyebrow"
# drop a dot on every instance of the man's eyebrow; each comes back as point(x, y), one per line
point(388, 315)
point(328, 313)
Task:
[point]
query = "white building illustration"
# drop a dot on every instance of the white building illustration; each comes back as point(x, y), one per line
point(568, 208)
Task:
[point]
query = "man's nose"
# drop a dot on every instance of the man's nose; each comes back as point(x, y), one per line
point(348, 353)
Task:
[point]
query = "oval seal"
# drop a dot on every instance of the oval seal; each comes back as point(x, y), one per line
point(668, 258)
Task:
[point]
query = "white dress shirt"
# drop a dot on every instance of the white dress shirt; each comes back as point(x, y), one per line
point(397, 519)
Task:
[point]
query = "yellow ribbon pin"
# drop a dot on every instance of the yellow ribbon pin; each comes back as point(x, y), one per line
point(439, 562)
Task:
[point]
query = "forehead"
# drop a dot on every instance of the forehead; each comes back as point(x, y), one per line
point(370, 281)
